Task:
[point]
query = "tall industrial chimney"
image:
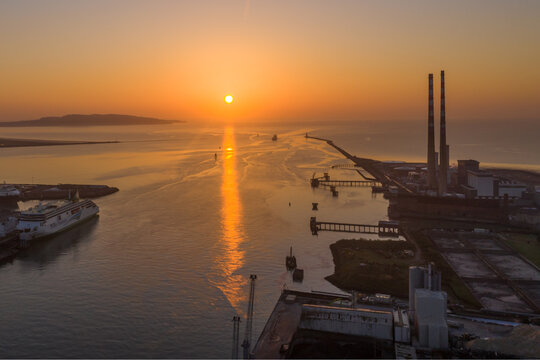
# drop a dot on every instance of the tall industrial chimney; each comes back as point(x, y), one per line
point(431, 160)
point(444, 161)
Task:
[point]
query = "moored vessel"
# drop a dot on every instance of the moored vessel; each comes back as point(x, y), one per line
point(52, 217)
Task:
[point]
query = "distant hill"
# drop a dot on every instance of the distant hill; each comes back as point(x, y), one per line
point(90, 120)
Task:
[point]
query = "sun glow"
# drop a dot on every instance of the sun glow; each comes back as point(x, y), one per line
point(229, 99)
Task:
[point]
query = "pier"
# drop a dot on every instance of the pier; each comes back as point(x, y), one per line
point(61, 191)
point(373, 167)
point(384, 228)
point(348, 183)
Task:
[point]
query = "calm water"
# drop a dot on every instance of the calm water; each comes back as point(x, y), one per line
point(165, 267)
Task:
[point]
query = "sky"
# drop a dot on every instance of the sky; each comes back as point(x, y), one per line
point(284, 60)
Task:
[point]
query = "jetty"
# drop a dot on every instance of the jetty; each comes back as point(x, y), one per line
point(373, 167)
point(61, 191)
point(348, 183)
point(383, 228)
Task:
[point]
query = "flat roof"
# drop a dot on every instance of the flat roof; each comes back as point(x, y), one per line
point(479, 173)
point(383, 312)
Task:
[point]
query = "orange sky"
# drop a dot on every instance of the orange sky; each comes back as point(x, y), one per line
point(282, 60)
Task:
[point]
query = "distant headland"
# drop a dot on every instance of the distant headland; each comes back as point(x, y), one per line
point(90, 120)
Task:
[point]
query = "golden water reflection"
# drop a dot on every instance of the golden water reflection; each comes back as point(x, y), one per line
point(231, 258)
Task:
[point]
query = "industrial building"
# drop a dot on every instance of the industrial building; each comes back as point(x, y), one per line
point(430, 318)
point(470, 180)
point(480, 181)
point(422, 278)
point(310, 318)
point(402, 328)
point(484, 184)
point(464, 166)
point(316, 324)
point(376, 324)
point(427, 306)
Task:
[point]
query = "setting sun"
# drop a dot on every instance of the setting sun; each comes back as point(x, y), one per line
point(229, 99)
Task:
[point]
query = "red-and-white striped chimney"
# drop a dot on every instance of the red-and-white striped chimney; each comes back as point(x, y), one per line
point(431, 157)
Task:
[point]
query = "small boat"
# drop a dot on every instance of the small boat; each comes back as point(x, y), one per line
point(298, 275)
point(290, 261)
point(274, 138)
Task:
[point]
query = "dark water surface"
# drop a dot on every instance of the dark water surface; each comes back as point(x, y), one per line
point(165, 267)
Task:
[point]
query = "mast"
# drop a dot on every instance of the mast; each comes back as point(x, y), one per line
point(249, 320)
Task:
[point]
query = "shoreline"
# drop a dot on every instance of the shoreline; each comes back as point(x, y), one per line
point(13, 142)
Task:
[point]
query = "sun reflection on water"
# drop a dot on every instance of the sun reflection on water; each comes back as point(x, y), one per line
point(231, 258)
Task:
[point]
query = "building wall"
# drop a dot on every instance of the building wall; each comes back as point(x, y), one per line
point(405, 206)
point(512, 190)
point(463, 167)
point(358, 322)
point(416, 280)
point(483, 184)
point(430, 318)
point(402, 329)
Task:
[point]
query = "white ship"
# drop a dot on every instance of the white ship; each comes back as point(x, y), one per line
point(52, 217)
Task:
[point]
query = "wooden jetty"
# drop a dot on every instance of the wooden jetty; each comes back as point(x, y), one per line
point(384, 228)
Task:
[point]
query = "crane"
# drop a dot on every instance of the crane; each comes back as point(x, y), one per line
point(249, 319)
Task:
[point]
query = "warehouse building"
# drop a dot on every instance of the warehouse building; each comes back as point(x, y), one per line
point(366, 322)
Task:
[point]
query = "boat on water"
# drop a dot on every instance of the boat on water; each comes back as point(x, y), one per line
point(274, 138)
point(50, 218)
